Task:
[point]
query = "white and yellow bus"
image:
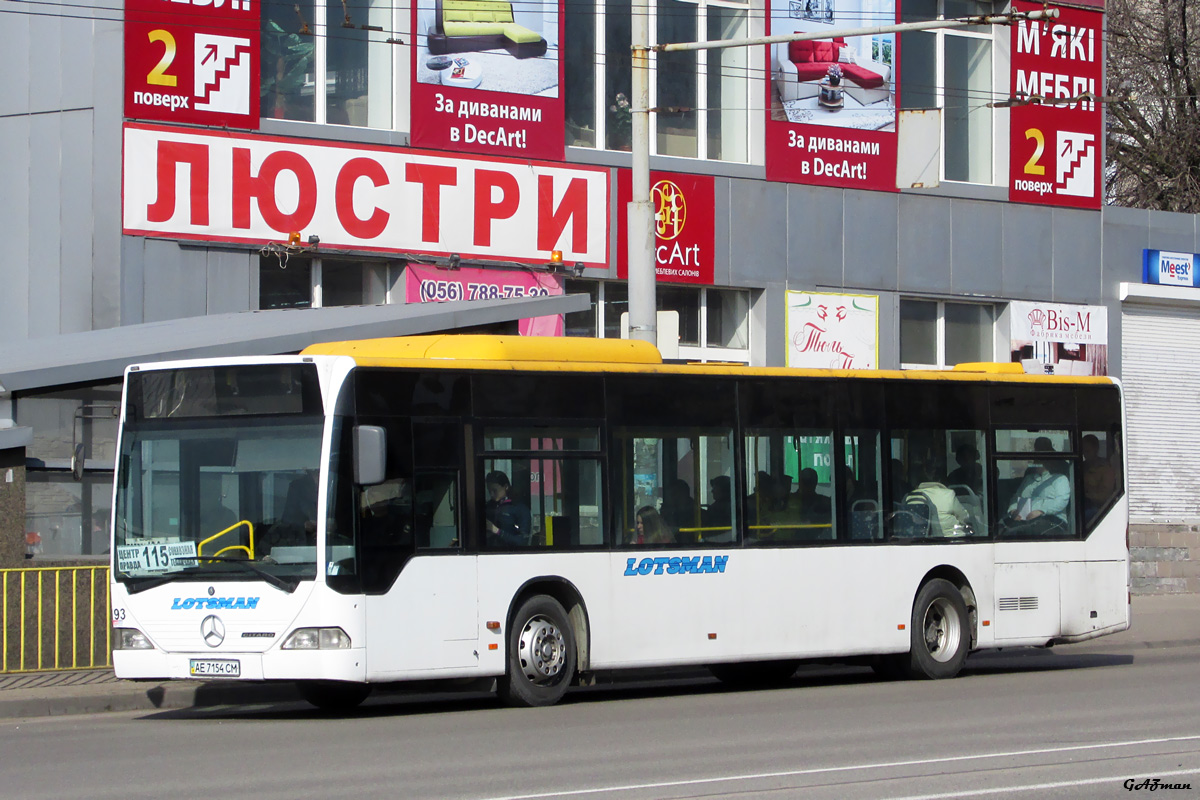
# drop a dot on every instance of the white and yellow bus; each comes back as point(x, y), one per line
point(534, 511)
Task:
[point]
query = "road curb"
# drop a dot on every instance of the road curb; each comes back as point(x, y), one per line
point(135, 696)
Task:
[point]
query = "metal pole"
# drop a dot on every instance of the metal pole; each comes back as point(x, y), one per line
point(643, 304)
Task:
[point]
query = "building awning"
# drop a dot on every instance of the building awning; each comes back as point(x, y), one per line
point(103, 355)
point(15, 437)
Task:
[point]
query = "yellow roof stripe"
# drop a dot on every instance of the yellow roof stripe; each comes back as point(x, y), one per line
point(577, 354)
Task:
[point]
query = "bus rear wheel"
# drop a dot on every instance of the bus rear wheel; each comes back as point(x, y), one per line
point(541, 654)
point(334, 696)
point(939, 631)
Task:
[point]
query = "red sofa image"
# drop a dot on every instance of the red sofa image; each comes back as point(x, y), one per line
point(800, 66)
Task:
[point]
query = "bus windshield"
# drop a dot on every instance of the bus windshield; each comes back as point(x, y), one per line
point(232, 497)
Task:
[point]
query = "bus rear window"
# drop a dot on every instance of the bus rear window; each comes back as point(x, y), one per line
point(260, 389)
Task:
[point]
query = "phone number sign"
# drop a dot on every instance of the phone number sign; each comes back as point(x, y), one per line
point(193, 61)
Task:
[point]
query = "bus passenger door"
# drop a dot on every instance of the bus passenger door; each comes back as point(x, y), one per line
point(428, 620)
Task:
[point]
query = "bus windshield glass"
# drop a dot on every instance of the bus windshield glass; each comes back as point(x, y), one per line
point(229, 494)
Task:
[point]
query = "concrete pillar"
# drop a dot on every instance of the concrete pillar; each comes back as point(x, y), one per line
point(12, 507)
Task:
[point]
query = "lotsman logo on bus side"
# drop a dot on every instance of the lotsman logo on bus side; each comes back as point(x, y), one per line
point(214, 603)
point(675, 565)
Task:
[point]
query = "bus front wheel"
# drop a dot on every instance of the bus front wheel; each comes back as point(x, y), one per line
point(541, 654)
point(939, 631)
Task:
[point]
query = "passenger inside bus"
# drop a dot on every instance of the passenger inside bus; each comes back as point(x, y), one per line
point(508, 520)
point(717, 518)
point(297, 524)
point(947, 517)
point(650, 529)
point(969, 473)
point(679, 509)
point(1039, 506)
point(1099, 477)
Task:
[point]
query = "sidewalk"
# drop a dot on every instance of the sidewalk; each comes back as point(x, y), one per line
point(1158, 621)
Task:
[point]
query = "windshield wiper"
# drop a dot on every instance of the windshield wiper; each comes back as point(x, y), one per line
point(147, 583)
point(276, 581)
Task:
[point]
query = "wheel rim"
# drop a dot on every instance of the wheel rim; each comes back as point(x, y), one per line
point(542, 650)
point(943, 630)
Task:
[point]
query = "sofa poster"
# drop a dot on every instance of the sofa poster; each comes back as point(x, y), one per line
point(832, 331)
point(1055, 146)
point(831, 102)
point(437, 285)
point(487, 78)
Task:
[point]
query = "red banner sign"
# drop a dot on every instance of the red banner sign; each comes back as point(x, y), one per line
point(683, 226)
point(222, 186)
point(1055, 149)
point(488, 80)
point(193, 61)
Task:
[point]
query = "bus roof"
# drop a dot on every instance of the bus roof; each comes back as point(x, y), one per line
point(578, 354)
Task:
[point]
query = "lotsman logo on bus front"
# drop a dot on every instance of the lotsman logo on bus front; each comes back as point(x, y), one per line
point(675, 565)
point(213, 603)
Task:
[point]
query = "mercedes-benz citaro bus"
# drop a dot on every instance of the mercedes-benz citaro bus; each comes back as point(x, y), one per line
point(530, 511)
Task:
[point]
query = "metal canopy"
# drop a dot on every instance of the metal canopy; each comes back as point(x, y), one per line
point(104, 354)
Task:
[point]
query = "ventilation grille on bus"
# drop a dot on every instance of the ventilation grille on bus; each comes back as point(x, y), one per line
point(1018, 603)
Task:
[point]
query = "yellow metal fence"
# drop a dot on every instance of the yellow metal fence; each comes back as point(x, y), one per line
point(55, 618)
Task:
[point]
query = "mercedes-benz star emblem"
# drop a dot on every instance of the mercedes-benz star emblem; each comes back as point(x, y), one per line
point(213, 630)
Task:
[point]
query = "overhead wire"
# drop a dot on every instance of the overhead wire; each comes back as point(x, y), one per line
point(972, 99)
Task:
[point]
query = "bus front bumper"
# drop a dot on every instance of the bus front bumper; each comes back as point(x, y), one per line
point(276, 665)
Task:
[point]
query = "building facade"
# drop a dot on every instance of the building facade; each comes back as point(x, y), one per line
point(891, 201)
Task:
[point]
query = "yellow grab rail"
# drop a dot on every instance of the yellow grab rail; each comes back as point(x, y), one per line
point(249, 550)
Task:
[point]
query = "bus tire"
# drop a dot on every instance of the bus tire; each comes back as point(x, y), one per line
point(541, 654)
point(754, 673)
point(334, 696)
point(939, 635)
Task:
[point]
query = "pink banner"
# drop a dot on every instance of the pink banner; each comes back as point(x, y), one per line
point(437, 285)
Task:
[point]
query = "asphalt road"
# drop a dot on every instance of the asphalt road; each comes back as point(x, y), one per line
point(1074, 722)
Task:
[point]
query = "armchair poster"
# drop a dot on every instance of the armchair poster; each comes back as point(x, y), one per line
point(831, 102)
point(487, 77)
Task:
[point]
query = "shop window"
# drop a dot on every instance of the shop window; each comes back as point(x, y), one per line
point(326, 62)
point(952, 70)
point(714, 324)
point(323, 282)
point(935, 334)
point(704, 95)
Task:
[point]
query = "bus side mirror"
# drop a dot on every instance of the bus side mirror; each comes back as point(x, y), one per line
point(370, 454)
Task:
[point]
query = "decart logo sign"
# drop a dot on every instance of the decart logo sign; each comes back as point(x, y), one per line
point(675, 565)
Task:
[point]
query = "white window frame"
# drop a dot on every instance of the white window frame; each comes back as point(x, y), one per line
point(999, 83)
point(941, 329)
point(703, 351)
point(315, 13)
point(753, 113)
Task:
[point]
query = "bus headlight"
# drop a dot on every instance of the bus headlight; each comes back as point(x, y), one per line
point(130, 639)
point(317, 639)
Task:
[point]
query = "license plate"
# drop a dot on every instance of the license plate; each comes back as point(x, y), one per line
point(216, 668)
